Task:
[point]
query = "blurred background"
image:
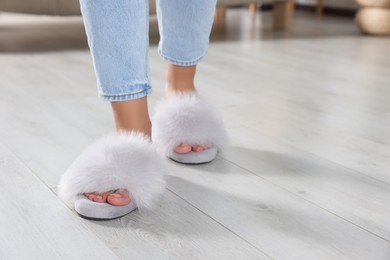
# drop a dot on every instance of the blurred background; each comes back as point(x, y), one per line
point(304, 90)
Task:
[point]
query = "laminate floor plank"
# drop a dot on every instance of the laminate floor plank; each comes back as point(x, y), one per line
point(349, 112)
point(351, 195)
point(174, 230)
point(268, 216)
point(35, 224)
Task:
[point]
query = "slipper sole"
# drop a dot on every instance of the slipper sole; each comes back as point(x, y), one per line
point(195, 158)
point(91, 210)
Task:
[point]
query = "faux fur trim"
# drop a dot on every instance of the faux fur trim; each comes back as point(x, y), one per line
point(186, 118)
point(117, 161)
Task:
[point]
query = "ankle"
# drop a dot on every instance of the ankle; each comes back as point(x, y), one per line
point(132, 116)
point(175, 89)
point(180, 79)
point(145, 127)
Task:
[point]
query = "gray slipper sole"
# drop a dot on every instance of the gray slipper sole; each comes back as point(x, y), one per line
point(100, 211)
point(202, 157)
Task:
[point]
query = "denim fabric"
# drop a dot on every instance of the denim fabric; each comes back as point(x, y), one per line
point(117, 32)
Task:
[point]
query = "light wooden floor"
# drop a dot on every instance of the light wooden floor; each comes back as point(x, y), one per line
point(307, 175)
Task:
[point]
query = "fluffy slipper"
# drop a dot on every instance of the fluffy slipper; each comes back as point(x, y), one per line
point(186, 118)
point(116, 161)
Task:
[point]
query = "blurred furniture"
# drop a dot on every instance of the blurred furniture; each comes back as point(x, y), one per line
point(319, 7)
point(282, 13)
point(49, 7)
point(283, 10)
point(374, 17)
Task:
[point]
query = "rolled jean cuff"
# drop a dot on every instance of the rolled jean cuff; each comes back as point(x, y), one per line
point(183, 63)
point(135, 92)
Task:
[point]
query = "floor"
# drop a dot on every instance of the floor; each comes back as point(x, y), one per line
point(307, 175)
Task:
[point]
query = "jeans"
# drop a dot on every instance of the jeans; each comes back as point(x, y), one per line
point(117, 32)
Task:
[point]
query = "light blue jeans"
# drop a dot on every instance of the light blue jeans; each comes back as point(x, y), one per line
point(117, 32)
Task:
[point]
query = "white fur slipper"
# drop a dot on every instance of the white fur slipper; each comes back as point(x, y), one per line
point(116, 161)
point(186, 118)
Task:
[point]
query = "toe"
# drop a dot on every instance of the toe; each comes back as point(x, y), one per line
point(90, 195)
point(120, 198)
point(197, 148)
point(183, 148)
point(97, 198)
point(101, 197)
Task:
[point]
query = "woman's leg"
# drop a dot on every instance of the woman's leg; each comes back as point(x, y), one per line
point(118, 39)
point(185, 28)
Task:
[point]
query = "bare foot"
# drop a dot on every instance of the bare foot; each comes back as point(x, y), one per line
point(130, 115)
point(182, 85)
point(186, 148)
point(115, 198)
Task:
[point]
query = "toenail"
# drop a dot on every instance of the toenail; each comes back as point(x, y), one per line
point(197, 148)
point(115, 195)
